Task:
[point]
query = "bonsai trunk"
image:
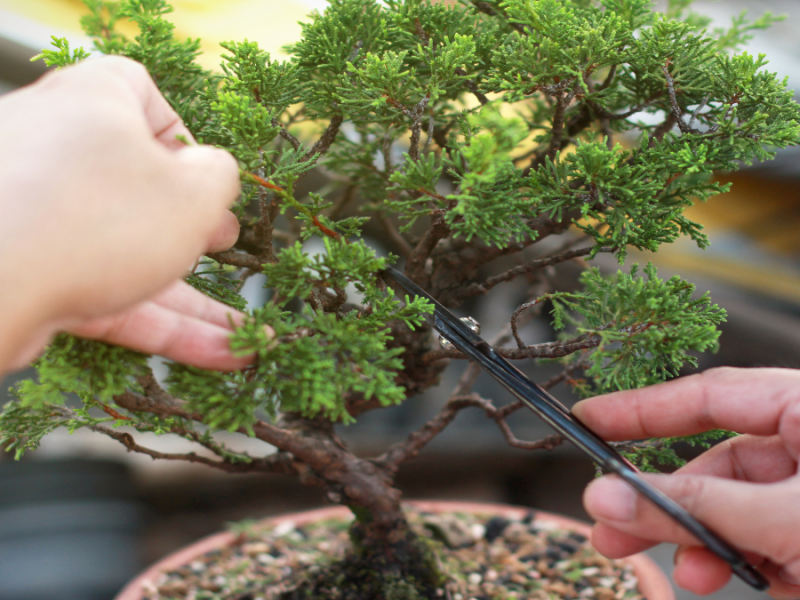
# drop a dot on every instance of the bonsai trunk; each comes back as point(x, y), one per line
point(388, 561)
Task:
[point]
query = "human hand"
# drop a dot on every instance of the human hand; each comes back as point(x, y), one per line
point(746, 489)
point(101, 209)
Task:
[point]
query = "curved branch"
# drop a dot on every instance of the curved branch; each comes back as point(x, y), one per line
point(546, 350)
point(327, 138)
point(476, 289)
point(237, 259)
point(414, 443)
point(273, 464)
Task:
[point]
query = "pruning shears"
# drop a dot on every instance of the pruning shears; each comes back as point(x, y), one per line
point(561, 419)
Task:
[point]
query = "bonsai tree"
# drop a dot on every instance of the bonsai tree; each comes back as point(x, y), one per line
point(481, 143)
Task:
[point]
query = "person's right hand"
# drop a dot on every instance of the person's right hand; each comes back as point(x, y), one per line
point(747, 489)
point(102, 208)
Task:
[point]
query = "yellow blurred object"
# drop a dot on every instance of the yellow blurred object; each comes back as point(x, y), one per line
point(271, 23)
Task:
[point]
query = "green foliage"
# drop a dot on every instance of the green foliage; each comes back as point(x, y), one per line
point(218, 284)
point(92, 370)
point(643, 327)
point(61, 56)
point(651, 454)
point(313, 360)
point(22, 428)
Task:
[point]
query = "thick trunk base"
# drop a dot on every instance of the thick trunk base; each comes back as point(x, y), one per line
point(384, 564)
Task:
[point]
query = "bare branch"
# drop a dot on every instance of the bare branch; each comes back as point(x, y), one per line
point(397, 240)
point(416, 263)
point(414, 443)
point(487, 8)
point(416, 127)
point(546, 350)
point(327, 138)
point(472, 87)
point(273, 464)
point(512, 407)
point(237, 259)
point(286, 135)
point(477, 289)
point(673, 101)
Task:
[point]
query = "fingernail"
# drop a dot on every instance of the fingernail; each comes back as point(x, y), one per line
point(610, 499)
point(787, 577)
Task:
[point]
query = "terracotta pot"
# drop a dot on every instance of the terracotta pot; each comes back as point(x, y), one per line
point(653, 584)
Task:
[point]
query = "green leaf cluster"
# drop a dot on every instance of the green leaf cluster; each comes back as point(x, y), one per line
point(91, 370)
point(651, 454)
point(644, 327)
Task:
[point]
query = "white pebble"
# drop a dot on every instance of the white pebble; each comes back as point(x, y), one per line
point(606, 582)
point(265, 559)
point(586, 593)
point(590, 571)
point(284, 528)
point(629, 584)
point(197, 566)
point(477, 531)
point(458, 597)
point(563, 565)
point(475, 578)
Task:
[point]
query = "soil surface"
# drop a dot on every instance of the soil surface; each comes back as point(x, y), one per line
point(481, 557)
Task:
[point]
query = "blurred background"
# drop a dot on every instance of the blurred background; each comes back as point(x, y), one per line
point(81, 516)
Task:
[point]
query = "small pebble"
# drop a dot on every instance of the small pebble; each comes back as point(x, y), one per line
point(475, 578)
point(477, 531)
point(284, 528)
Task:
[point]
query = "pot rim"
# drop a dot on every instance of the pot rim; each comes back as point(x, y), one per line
point(653, 583)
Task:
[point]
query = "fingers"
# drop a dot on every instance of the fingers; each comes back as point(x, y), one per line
point(182, 298)
point(743, 400)
point(746, 458)
point(613, 543)
point(699, 570)
point(164, 122)
point(761, 518)
point(209, 175)
point(156, 329)
point(225, 235)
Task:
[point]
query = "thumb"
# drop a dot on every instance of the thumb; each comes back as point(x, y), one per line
point(755, 517)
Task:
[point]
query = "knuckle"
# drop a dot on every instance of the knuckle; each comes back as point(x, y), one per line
point(691, 493)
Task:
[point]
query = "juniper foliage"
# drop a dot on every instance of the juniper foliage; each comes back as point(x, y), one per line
point(456, 135)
